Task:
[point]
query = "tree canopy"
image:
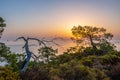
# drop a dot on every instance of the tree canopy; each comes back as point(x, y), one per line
point(90, 35)
point(2, 25)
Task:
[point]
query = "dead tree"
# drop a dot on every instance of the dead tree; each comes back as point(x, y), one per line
point(29, 54)
point(27, 51)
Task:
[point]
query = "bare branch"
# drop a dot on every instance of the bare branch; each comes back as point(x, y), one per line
point(21, 38)
point(53, 41)
point(35, 57)
point(39, 41)
point(26, 46)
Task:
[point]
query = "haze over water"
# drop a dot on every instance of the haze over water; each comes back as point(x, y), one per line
point(51, 18)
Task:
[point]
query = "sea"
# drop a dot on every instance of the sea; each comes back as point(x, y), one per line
point(62, 46)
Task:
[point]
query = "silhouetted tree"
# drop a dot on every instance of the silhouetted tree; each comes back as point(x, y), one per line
point(3, 49)
point(45, 52)
point(92, 35)
point(28, 52)
point(2, 25)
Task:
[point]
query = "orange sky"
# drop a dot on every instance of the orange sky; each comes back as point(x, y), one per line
point(36, 18)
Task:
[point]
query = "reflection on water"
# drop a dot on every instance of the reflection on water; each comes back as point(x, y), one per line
point(16, 46)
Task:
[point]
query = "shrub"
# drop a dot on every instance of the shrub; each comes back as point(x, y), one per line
point(6, 73)
point(114, 73)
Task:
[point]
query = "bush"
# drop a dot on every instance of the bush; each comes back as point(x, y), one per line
point(6, 73)
point(114, 73)
point(36, 73)
point(74, 70)
point(110, 59)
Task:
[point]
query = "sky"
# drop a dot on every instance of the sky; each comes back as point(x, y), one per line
point(45, 18)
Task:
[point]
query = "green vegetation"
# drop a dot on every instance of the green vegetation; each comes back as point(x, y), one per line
point(2, 25)
point(96, 60)
point(6, 73)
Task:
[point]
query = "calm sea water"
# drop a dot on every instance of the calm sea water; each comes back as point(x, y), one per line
point(16, 46)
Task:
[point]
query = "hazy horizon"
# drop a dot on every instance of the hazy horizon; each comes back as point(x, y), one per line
point(45, 18)
point(55, 18)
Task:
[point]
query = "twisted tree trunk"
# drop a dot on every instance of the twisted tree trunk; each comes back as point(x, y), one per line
point(91, 41)
point(29, 53)
point(26, 61)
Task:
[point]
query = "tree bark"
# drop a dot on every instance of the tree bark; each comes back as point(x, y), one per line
point(26, 61)
point(29, 54)
point(91, 41)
